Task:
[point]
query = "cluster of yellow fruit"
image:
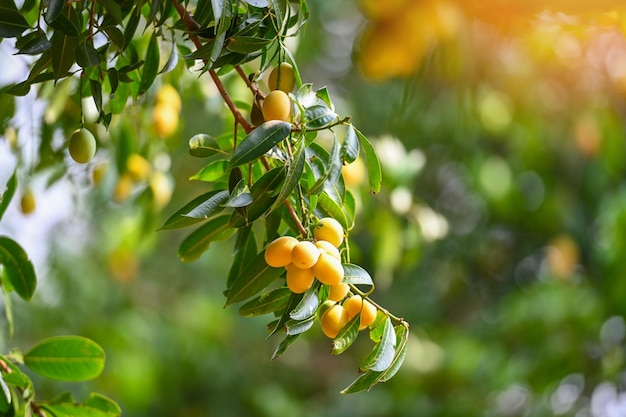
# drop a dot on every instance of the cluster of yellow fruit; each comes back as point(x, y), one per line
point(401, 33)
point(166, 112)
point(277, 104)
point(306, 260)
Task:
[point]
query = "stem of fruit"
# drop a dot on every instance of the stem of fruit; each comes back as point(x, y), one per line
point(38, 411)
point(192, 26)
point(365, 296)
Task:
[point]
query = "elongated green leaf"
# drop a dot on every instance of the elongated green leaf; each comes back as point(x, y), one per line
point(263, 195)
point(7, 196)
point(205, 146)
point(350, 146)
point(307, 306)
point(266, 303)
point(346, 336)
point(381, 357)
point(282, 347)
point(115, 35)
point(17, 268)
point(354, 274)
point(294, 172)
point(181, 219)
point(12, 23)
point(210, 207)
point(64, 24)
point(331, 208)
point(198, 241)
point(319, 116)
point(54, 10)
point(374, 171)
point(95, 406)
point(259, 141)
point(63, 53)
point(151, 65)
point(66, 358)
point(86, 54)
point(244, 252)
point(294, 327)
point(240, 196)
point(252, 280)
point(131, 25)
point(246, 44)
point(34, 44)
point(212, 171)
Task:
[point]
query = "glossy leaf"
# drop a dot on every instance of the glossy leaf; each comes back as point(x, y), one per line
point(151, 65)
point(212, 171)
point(240, 196)
point(346, 336)
point(259, 141)
point(17, 268)
point(210, 207)
point(381, 356)
point(282, 347)
point(294, 172)
point(95, 406)
point(63, 53)
point(350, 147)
point(181, 219)
point(66, 358)
point(307, 306)
point(374, 171)
point(36, 44)
point(244, 252)
point(253, 279)
point(12, 23)
point(263, 195)
point(331, 208)
point(86, 54)
point(319, 116)
point(246, 44)
point(294, 327)
point(7, 196)
point(199, 241)
point(354, 274)
point(54, 10)
point(65, 25)
point(266, 303)
point(205, 146)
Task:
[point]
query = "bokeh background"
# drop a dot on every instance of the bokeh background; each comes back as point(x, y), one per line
point(499, 234)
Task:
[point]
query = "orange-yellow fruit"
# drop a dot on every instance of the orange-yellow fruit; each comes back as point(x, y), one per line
point(167, 95)
point(28, 202)
point(334, 320)
point(282, 78)
point(328, 270)
point(305, 254)
point(138, 167)
point(338, 292)
point(82, 145)
point(164, 119)
point(299, 280)
point(328, 247)
point(277, 106)
point(356, 305)
point(98, 173)
point(278, 252)
point(330, 230)
point(123, 188)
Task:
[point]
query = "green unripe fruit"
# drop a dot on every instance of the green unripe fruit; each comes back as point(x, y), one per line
point(28, 203)
point(82, 145)
point(282, 78)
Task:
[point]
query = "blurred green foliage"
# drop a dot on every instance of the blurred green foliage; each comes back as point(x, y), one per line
point(500, 235)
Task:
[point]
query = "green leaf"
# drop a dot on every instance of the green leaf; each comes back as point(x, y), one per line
point(246, 44)
point(266, 303)
point(295, 327)
point(307, 306)
point(115, 35)
point(16, 377)
point(205, 146)
point(254, 278)
point(179, 219)
point(66, 358)
point(294, 173)
point(346, 336)
point(63, 53)
point(7, 196)
point(54, 10)
point(319, 116)
point(65, 25)
point(350, 147)
point(213, 171)
point(244, 252)
point(324, 95)
point(210, 207)
point(381, 357)
point(86, 54)
point(200, 239)
point(17, 268)
point(95, 406)
point(12, 23)
point(240, 196)
point(402, 338)
point(34, 43)
point(332, 209)
point(374, 171)
point(354, 274)
point(282, 347)
point(259, 141)
point(263, 195)
point(151, 65)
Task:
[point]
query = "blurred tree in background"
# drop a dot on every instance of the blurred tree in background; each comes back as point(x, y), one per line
point(499, 232)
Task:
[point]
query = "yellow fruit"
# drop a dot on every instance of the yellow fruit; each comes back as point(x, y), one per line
point(328, 270)
point(98, 173)
point(330, 230)
point(165, 120)
point(82, 145)
point(328, 247)
point(138, 167)
point(277, 106)
point(356, 305)
point(28, 202)
point(161, 188)
point(123, 188)
point(334, 320)
point(299, 280)
point(168, 95)
point(338, 292)
point(282, 78)
point(305, 254)
point(278, 252)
